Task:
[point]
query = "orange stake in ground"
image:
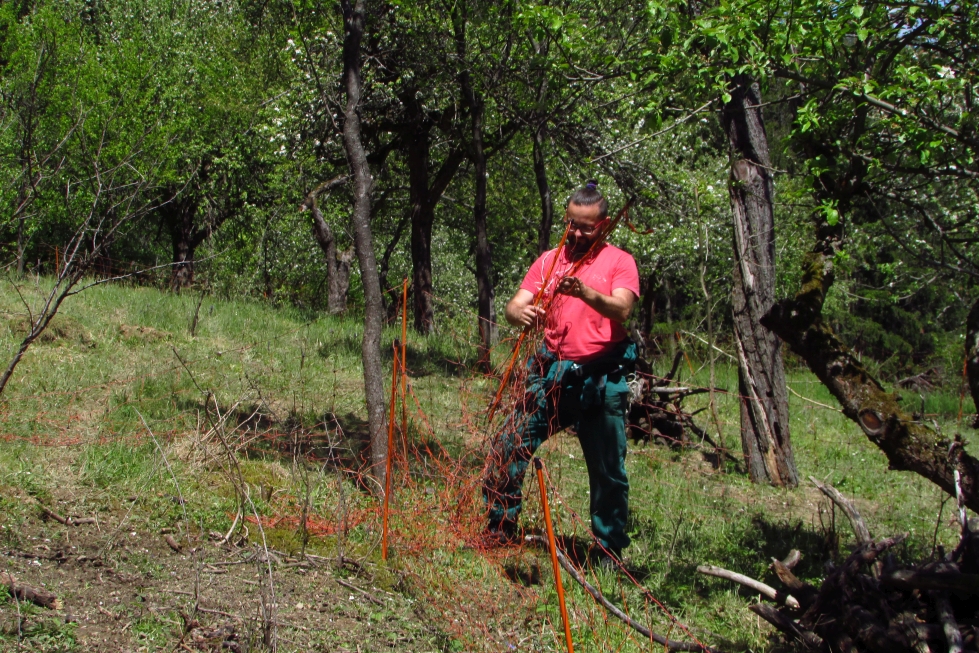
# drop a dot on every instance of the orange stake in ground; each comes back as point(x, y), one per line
point(539, 466)
point(390, 454)
point(404, 366)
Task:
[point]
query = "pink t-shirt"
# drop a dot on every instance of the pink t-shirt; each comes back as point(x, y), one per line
point(573, 330)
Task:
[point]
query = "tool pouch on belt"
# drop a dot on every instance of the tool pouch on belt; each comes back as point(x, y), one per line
point(589, 379)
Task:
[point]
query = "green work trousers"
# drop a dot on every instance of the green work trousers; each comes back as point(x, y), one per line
point(594, 400)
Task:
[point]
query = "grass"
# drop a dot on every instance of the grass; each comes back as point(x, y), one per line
point(290, 384)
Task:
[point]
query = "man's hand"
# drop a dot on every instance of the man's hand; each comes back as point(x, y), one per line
point(521, 312)
point(571, 286)
point(616, 306)
point(528, 315)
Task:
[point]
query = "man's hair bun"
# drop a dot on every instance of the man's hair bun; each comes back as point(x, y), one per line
point(589, 195)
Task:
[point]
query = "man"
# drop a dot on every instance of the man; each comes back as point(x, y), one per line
point(577, 378)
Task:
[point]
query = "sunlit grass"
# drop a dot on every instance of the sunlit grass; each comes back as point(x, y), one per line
point(130, 357)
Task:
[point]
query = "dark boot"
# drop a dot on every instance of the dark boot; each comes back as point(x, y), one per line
point(501, 533)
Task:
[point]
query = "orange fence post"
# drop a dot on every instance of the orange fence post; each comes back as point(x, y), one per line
point(539, 466)
point(387, 473)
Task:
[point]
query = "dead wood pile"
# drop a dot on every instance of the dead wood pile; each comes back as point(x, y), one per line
point(657, 410)
point(871, 603)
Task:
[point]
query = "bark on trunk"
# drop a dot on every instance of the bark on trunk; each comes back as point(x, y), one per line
point(908, 445)
point(422, 219)
point(183, 263)
point(761, 374)
point(354, 19)
point(424, 196)
point(972, 356)
point(179, 215)
point(338, 263)
point(484, 258)
point(544, 190)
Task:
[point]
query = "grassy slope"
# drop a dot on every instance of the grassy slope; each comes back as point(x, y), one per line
point(113, 357)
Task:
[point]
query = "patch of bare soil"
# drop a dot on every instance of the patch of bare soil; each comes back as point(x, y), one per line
point(126, 589)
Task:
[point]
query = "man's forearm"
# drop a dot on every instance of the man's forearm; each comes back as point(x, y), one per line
point(613, 308)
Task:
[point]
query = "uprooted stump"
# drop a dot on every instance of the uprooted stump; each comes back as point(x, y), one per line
point(871, 604)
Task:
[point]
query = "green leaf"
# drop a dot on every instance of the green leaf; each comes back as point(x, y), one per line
point(862, 34)
point(830, 212)
point(857, 12)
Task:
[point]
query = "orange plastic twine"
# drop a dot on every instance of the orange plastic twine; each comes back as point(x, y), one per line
point(539, 466)
point(527, 329)
point(539, 297)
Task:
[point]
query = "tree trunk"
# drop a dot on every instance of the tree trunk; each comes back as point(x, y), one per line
point(422, 212)
point(338, 262)
point(339, 283)
point(908, 445)
point(972, 356)
point(354, 19)
point(761, 374)
point(484, 257)
point(183, 263)
point(393, 290)
point(22, 245)
point(544, 190)
point(424, 196)
point(179, 214)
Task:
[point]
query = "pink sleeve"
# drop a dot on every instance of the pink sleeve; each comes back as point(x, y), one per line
point(535, 275)
point(626, 274)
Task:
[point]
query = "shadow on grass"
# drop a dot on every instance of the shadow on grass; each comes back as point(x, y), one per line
point(750, 553)
point(438, 356)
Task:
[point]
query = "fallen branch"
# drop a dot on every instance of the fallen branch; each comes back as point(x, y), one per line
point(787, 626)
point(946, 615)
point(856, 521)
point(804, 592)
point(906, 579)
point(758, 586)
point(792, 559)
point(681, 391)
point(172, 543)
point(33, 595)
point(670, 644)
point(55, 516)
point(67, 521)
point(373, 599)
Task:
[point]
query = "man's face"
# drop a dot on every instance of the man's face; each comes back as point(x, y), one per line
point(586, 225)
